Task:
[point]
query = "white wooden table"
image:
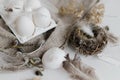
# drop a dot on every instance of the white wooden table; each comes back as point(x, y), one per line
point(104, 70)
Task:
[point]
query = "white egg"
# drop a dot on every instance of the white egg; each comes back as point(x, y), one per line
point(44, 11)
point(53, 58)
point(32, 5)
point(24, 26)
point(42, 17)
point(16, 5)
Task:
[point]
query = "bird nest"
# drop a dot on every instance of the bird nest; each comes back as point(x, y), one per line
point(87, 44)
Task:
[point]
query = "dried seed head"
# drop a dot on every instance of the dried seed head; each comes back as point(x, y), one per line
point(96, 14)
point(38, 73)
point(72, 9)
point(9, 10)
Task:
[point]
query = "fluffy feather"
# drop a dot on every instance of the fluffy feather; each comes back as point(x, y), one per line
point(79, 70)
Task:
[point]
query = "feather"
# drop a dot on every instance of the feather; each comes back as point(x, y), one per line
point(78, 70)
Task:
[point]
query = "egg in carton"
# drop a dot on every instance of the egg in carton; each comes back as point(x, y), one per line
point(27, 18)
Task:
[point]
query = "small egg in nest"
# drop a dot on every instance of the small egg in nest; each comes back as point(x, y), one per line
point(86, 43)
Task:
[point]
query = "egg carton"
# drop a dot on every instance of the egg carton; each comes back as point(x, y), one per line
point(12, 18)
